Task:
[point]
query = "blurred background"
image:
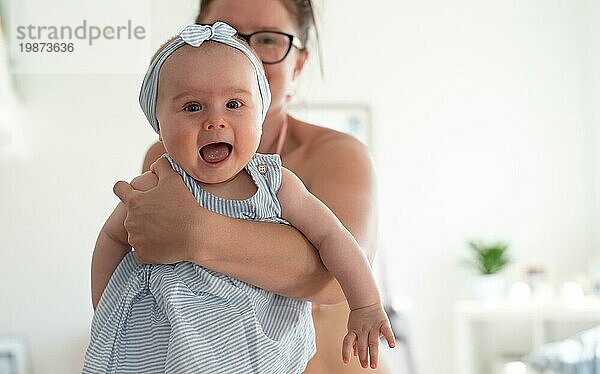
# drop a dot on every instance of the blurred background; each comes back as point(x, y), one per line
point(483, 120)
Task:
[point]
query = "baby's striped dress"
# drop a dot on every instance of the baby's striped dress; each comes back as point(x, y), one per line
point(184, 318)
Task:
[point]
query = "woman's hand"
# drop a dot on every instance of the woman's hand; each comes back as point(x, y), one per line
point(365, 326)
point(162, 222)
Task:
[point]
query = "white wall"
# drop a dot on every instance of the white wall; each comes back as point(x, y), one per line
point(484, 124)
point(592, 59)
point(482, 127)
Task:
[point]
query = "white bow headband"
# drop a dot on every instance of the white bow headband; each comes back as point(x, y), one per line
point(195, 35)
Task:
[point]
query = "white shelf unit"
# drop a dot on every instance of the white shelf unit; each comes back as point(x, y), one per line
point(530, 321)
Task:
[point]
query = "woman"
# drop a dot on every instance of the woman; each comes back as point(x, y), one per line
point(166, 225)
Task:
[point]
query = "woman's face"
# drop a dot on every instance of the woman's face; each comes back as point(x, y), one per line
point(248, 16)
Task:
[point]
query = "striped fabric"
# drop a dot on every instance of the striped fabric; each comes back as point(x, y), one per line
point(183, 318)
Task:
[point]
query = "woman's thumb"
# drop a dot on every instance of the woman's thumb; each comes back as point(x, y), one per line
point(123, 190)
point(161, 168)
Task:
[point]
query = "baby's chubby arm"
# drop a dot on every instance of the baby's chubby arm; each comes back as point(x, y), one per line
point(339, 251)
point(342, 256)
point(112, 244)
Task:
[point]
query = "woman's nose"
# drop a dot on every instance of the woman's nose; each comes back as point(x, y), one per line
point(215, 124)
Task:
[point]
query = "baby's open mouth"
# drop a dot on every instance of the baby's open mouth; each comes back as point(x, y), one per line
point(215, 152)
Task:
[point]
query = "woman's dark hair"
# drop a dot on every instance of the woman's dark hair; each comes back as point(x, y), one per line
point(302, 11)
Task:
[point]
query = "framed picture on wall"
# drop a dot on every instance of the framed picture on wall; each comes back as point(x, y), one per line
point(13, 356)
point(353, 119)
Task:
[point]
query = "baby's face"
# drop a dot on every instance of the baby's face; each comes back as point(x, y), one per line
point(209, 110)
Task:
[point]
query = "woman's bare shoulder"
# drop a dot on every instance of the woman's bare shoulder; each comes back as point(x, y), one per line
point(330, 157)
point(322, 142)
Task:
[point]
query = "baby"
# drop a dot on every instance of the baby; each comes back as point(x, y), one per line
point(206, 95)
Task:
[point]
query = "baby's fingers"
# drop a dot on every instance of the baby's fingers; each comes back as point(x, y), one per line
point(374, 347)
point(348, 346)
point(386, 331)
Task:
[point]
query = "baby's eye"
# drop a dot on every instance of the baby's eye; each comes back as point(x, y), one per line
point(192, 108)
point(233, 104)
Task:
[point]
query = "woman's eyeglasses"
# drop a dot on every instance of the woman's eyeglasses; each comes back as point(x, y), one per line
point(272, 46)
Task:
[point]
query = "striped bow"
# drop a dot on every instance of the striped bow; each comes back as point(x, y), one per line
point(195, 35)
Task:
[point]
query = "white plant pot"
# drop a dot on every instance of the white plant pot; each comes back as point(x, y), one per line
point(489, 287)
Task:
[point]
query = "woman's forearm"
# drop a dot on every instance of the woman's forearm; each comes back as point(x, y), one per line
point(275, 257)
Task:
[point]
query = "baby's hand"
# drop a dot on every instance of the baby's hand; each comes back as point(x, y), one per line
point(365, 326)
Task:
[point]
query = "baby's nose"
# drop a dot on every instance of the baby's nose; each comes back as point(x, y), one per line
point(215, 124)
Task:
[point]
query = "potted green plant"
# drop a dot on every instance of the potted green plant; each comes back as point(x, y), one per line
point(489, 260)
